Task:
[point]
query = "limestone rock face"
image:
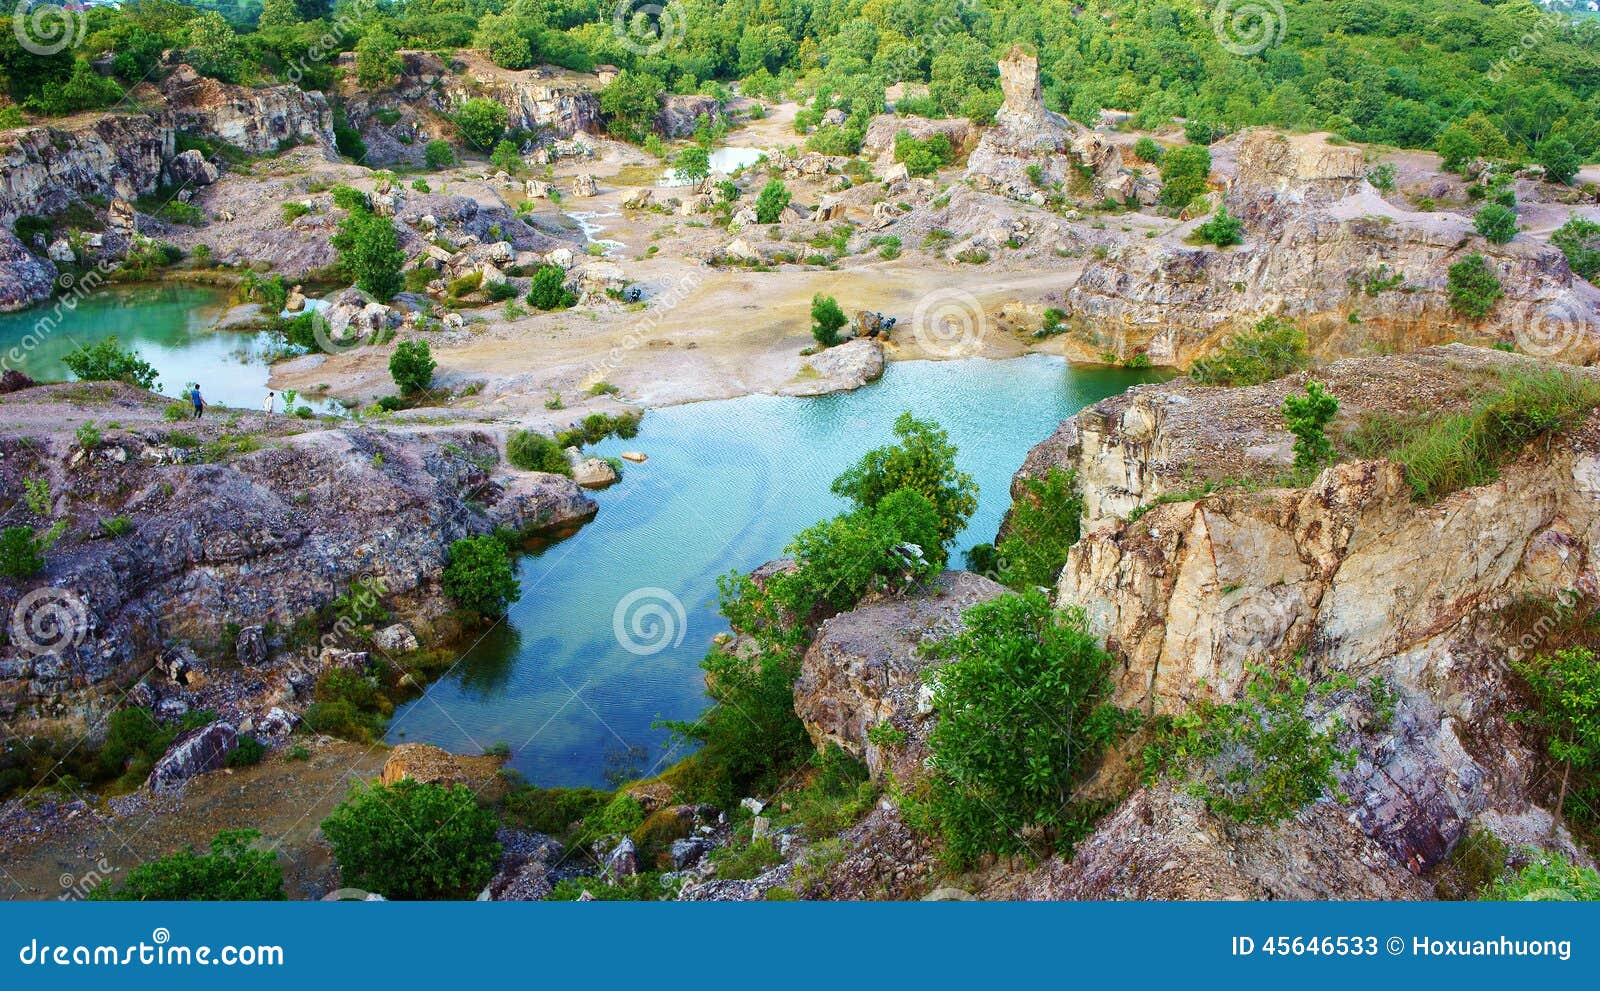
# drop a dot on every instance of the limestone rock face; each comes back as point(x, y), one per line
point(25, 278)
point(554, 102)
point(427, 764)
point(864, 668)
point(114, 155)
point(681, 112)
point(258, 120)
point(190, 168)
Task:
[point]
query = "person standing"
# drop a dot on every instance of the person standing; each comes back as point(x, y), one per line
point(266, 407)
point(199, 403)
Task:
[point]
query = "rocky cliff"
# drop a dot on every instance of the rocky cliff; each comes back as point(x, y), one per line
point(113, 155)
point(1323, 247)
point(244, 527)
point(262, 121)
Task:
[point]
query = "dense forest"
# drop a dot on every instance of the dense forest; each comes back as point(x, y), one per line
point(1507, 73)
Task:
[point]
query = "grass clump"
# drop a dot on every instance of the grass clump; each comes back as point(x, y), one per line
point(1273, 349)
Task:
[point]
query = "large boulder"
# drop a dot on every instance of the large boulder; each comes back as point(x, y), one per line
point(190, 168)
point(428, 764)
point(194, 752)
point(25, 278)
point(841, 368)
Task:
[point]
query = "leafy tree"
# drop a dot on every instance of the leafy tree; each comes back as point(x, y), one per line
point(1457, 146)
point(826, 319)
point(84, 89)
point(369, 249)
point(1146, 149)
point(1186, 172)
point(1579, 240)
point(1272, 349)
point(548, 289)
point(1308, 417)
point(1044, 524)
point(213, 48)
point(412, 366)
point(278, 14)
point(774, 199)
point(1560, 159)
point(507, 157)
point(533, 451)
point(1565, 687)
point(229, 872)
point(1024, 713)
point(478, 575)
point(631, 104)
point(923, 156)
point(502, 38)
point(1472, 287)
point(411, 840)
point(1222, 229)
point(438, 154)
point(377, 65)
point(924, 460)
point(1497, 224)
point(109, 361)
point(693, 163)
point(480, 122)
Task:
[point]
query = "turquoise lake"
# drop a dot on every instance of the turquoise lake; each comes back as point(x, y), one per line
point(596, 649)
point(170, 327)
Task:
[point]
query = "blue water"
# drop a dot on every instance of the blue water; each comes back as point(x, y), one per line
point(726, 485)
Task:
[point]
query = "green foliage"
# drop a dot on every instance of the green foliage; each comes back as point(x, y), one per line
point(478, 576)
point(596, 427)
point(924, 460)
point(1560, 159)
point(1496, 223)
point(772, 201)
point(21, 555)
point(248, 753)
point(84, 89)
point(1382, 177)
point(693, 163)
point(1044, 525)
point(630, 105)
point(548, 289)
point(923, 156)
point(1257, 760)
point(348, 705)
point(1273, 349)
point(229, 871)
point(411, 840)
point(1222, 230)
point(826, 320)
point(533, 451)
point(1473, 288)
point(1308, 417)
point(1549, 878)
point(350, 199)
point(438, 154)
point(109, 361)
point(369, 249)
point(1579, 241)
point(1457, 146)
point(1185, 171)
point(294, 210)
point(619, 817)
point(1024, 713)
point(506, 157)
point(411, 366)
point(1565, 689)
point(480, 122)
point(1146, 149)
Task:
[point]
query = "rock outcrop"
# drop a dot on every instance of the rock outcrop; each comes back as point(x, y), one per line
point(25, 278)
point(194, 752)
point(261, 121)
point(111, 155)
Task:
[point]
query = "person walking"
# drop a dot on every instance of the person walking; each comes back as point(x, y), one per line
point(199, 403)
point(266, 407)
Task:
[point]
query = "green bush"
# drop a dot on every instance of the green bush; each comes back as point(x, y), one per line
point(480, 122)
point(1222, 230)
point(1185, 173)
point(293, 211)
point(1043, 526)
point(506, 157)
point(533, 451)
point(1257, 760)
point(923, 460)
point(1551, 877)
point(1497, 224)
point(248, 753)
point(772, 201)
point(1024, 712)
point(369, 249)
point(1273, 349)
point(348, 705)
point(109, 361)
point(1473, 288)
point(1560, 159)
point(438, 154)
point(1148, 150)
point(21, 555)
point(465, 285)
point(552, 811)
point(1565, 690)
point(1308, 417)
point(826, 320)
point(411, 366)
point(229, 871)
point(479, 577)
point(411, 840)
point(1579, 241)
point(548, 289)
point(923, 156)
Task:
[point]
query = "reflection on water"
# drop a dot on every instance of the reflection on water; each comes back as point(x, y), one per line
point(569, 681)
point(724, 160)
